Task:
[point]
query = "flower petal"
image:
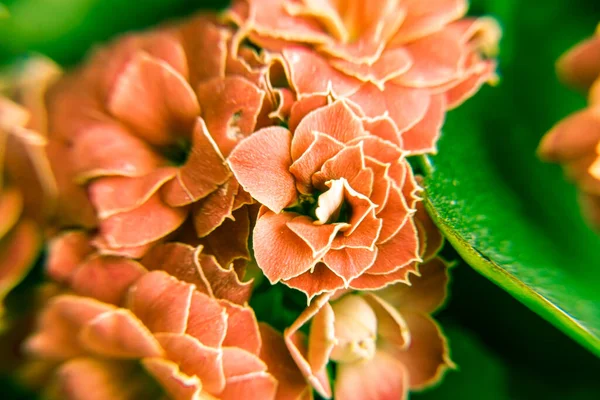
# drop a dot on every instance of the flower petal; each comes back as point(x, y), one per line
point(246, 376)
point(230, 107)
point(348, 263)
point(106, 278)
point(242, 328)
point(211, 211)
point(154, 99)
point(318, 237)
point(118, 334)
point(400, 250)
point(207, 320)
point(320, 280)
point(66, 252)
point(203, 172)
point(579, 67)
point(291, 384)
point(369, 281)
point(293, 255)
point(195, 359)
point(382, 377)
point(427, 358)
point(425, 18)
point(265, 157)
point(178, 385)
point(422, 137)
point(394, 215)
point(161, 302)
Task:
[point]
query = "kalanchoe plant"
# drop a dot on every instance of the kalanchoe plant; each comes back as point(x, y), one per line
point(575, 141)
point(262, 149)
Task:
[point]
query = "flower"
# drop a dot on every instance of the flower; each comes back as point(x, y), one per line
point(337, 202)
point(73, 261)
point(408, 60)
point(26, 185)
point(575, 141)
point(139, 135)
point(165, 338)
point(384, 343)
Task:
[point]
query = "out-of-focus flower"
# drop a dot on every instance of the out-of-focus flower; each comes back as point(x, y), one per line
point(27, 186)
point(408, 61)
point(337, 202)
point(166, 340)
point(575, 141)
point(139, 135)
point(73, 261)
point(384, 343)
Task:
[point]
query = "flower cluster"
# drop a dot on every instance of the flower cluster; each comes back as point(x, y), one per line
point(187, 163)
point(575, 141)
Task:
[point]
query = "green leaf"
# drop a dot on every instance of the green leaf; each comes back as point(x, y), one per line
point(511, 217)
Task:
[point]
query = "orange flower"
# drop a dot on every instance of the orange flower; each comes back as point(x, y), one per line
point(575, 141)
point(26, 184)
point(384, 343)
point(405, 60)
point(166, 339)
point(337, 202)
point(73, 261)
point(142, 130)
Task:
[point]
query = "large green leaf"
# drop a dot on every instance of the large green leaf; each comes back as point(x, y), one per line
point(509, 216)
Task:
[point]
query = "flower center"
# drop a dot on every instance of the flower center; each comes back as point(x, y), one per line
point(355, 330)
point(177, 153)
point(326, 207)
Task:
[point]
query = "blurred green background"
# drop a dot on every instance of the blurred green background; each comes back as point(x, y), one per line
point(504, 350)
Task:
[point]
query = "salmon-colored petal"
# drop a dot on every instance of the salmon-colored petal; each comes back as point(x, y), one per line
point(107, 148)
point(436, 60)
point(302, 107)
point(161, 302)
point(476, 76)
point(348, 263)
point(293, 255)
point(426, 292)
point(312, 73)
point(116, 194)
point(580, 66)
point(320, 280)
point(246, 376)
point(364, 236)
point(11, 207)
point(18, 253)
point(425, 18)
point(242, 328)
point(290, 382)
point(265, 157)
point(405, 106)
point(229, 242)
point(360, 205)
point(433, 237)
point(230, 108)
point(322, 338)
point(369, 281)
point(427, 358)
point(60, 322)
point(393, 215)
point(572, 138)
point(318, 379)
point(336, 120)
point(94, 379)
point(211, 211)
point(153, 220)
point(154, 99)
point(382, 184)
point(349, 164)
point(391, 327)
point(400, 250)
point(323, 148)
point(118, 334)
point(189, 264)
point(178, 385)
point(205, 46)
point(318, 237)
point(203, 172)
point(590, 208)
point(422, 137)
point(103, 247)
point(66, 252)
point(73, 205)
point(195, 359)
point(382, 377)
point(106, 278)
point(207, 320)
point(381, 128)
point(391, 64)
